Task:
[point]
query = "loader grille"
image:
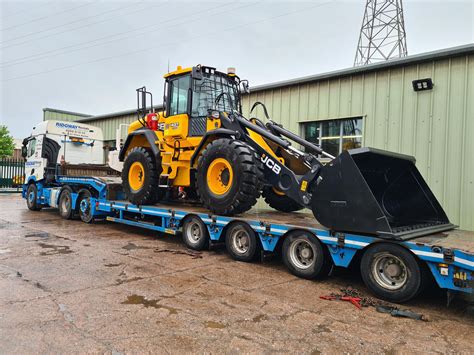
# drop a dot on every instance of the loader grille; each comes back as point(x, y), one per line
point(197, 126)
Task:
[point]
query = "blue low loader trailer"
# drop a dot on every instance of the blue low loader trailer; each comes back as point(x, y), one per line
point(394, 270)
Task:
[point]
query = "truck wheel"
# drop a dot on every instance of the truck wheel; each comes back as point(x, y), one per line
point(228, 177)
point(85, 209)
point(391, 272)
point(140, 176)
point(279, 201)
point(242, 242)
point(65, 204)
point(32, 198)
point(195, 233)
point(304, 255)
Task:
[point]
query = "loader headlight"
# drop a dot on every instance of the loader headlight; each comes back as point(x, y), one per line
point(215, 114)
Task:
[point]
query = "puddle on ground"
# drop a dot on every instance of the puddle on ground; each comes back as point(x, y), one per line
point(137, 300)
point(131, 246)
point(214, 325)
point(258, 318)
point(120, 281)
point(42, 235)
point(321, 328)
point(9, 225)
point(54, 249)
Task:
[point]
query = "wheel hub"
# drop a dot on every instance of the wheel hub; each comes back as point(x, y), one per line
point(393, 270)
point(302, 254)
point(84, 206)
point(194, 232)
point(240, 240)
point(219, 176)
point(389, 271)
point(306, 253)
point(136, 176)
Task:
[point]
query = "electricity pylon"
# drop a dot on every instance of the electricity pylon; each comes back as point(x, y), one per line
point(382, 34)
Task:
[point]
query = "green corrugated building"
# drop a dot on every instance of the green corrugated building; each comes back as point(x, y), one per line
point(377, 106)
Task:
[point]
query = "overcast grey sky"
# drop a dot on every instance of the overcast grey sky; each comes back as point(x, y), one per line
point(90, 56)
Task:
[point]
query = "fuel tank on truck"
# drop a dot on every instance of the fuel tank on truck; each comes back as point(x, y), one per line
point(376, 192)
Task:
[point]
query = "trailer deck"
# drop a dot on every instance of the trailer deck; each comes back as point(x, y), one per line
point(449, 256)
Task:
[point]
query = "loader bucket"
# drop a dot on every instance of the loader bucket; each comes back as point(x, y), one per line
point(375, 192)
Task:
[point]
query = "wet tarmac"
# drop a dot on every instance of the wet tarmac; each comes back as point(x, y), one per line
point(69, 287)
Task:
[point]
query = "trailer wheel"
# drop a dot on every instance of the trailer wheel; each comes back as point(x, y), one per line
point(228, 177)
point(242, 242)
point(279, 201)
point(195, 233)
point(84, 204)
point(304, 255)
point(32, 197)
point(65, 203)
point(392, 272)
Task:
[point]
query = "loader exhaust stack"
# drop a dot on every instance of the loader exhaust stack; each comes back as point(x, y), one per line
point(377, 192)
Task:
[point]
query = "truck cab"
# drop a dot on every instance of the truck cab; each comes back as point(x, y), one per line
point(55, 143)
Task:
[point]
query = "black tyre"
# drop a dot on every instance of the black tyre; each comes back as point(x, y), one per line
point(228, 177)
point(304, 255)
point(32, 198)
point(195, 233)
point(65, 203)
point(140, 176)
point(84, 206)
point(242, 242)
point(280, 201)
point(391, 272)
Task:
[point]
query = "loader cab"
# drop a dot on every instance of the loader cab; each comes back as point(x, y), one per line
point(191, 92)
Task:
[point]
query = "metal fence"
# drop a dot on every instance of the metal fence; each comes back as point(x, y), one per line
point(12, 174)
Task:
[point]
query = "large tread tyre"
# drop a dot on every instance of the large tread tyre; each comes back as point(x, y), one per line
point(32, 197)
point(280, 202)
point(236, 187)
point(195, 233)
point(65, 203)
point(305, 256)
point(140, 177)
point(85, 207)
point(242, 242)
point(392, 272)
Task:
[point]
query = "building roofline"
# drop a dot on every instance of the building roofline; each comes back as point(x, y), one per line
point(115, 114)
point(66, 112)
point(412, 59)
point(393, 63)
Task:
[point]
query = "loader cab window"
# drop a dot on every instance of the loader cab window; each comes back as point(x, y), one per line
point(206, 91)
point(179, 89)
point(335, 136)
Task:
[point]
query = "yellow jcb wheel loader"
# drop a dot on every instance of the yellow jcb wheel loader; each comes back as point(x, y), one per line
point(202, 148)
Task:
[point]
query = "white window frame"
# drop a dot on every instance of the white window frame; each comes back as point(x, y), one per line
point(341, 136)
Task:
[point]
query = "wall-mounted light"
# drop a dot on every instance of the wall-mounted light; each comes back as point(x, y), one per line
point(422, 84)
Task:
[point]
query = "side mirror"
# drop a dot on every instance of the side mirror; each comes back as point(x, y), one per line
point(24, 151)
point(196, 74)
point(245, 87)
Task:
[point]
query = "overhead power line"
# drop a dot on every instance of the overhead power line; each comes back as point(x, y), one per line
point(60, 26)
point(147, 49)
point(127, 34)
point(27, 22)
